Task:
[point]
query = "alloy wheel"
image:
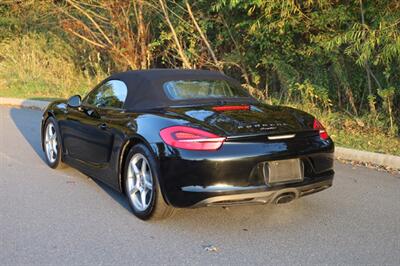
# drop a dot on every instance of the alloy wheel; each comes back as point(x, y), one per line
point(139, 182)
point(50, 141)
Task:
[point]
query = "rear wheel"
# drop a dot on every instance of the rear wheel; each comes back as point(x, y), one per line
point(141, 185)
point(52, 144)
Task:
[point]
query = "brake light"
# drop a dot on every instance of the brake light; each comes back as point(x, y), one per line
point(231, 108)
point(189, 138)
point(322, 132)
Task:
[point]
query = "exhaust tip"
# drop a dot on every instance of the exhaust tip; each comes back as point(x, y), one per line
point(285, 198)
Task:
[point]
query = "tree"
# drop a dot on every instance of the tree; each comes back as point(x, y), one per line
point(117, 28)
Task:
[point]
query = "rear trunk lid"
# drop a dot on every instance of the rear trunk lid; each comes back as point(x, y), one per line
point(256, 120)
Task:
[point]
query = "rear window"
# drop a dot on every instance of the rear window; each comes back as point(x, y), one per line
point(200, 89)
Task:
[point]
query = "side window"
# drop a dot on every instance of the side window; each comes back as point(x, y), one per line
point(111, 94)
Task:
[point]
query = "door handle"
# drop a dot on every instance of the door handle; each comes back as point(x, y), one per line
point(103, 126)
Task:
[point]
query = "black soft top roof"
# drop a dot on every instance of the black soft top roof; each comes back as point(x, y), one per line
point(145, 87)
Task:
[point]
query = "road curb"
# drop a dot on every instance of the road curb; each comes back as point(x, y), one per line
point(386, 160)
point(24, 103)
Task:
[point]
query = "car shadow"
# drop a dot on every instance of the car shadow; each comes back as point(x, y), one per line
point(115, 195)
point(27, 122)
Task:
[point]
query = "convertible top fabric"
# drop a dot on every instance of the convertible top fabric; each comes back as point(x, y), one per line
point(145, 87)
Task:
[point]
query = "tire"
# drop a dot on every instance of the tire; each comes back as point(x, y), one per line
point(52, 144)
point(139, 180)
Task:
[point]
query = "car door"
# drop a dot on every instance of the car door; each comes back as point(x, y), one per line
point(87, 133)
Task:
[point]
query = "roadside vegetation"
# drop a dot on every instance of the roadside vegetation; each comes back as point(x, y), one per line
point(338, 61)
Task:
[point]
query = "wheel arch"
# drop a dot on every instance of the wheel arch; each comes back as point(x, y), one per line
point(128, 144)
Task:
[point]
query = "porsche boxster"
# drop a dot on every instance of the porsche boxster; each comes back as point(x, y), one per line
point(172, 139)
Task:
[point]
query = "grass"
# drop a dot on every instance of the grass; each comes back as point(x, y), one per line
point(380, 143)
point(38, 65)
point(41, 67)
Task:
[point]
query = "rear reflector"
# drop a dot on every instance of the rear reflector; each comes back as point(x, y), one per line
point(189, 138)
point(322, 132)
point(231, 108)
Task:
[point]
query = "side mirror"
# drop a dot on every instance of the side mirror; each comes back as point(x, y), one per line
point(75, 101)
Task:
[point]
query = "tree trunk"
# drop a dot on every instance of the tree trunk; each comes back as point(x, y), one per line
point(203, 36)
point(366, 63)
point(142, 36)
point(181, 53)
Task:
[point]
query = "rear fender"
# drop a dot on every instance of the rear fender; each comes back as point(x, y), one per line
point(128, 144)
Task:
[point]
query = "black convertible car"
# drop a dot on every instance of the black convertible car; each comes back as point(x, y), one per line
point(187, 138)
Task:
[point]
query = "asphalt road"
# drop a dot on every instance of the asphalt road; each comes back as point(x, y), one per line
point(50, 217)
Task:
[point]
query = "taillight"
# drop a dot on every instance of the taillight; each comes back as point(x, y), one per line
point(231, 108)
point(189, 138)
point(322, 132)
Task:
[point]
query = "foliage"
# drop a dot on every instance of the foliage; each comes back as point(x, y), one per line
point(312, 96)
point(388, 95)
point(331, 58)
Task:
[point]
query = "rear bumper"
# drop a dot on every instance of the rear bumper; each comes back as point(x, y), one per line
point(247, 197)
point(203, 178)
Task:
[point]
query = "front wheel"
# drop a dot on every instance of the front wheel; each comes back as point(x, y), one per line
point(141, 185)
point(51, 140)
